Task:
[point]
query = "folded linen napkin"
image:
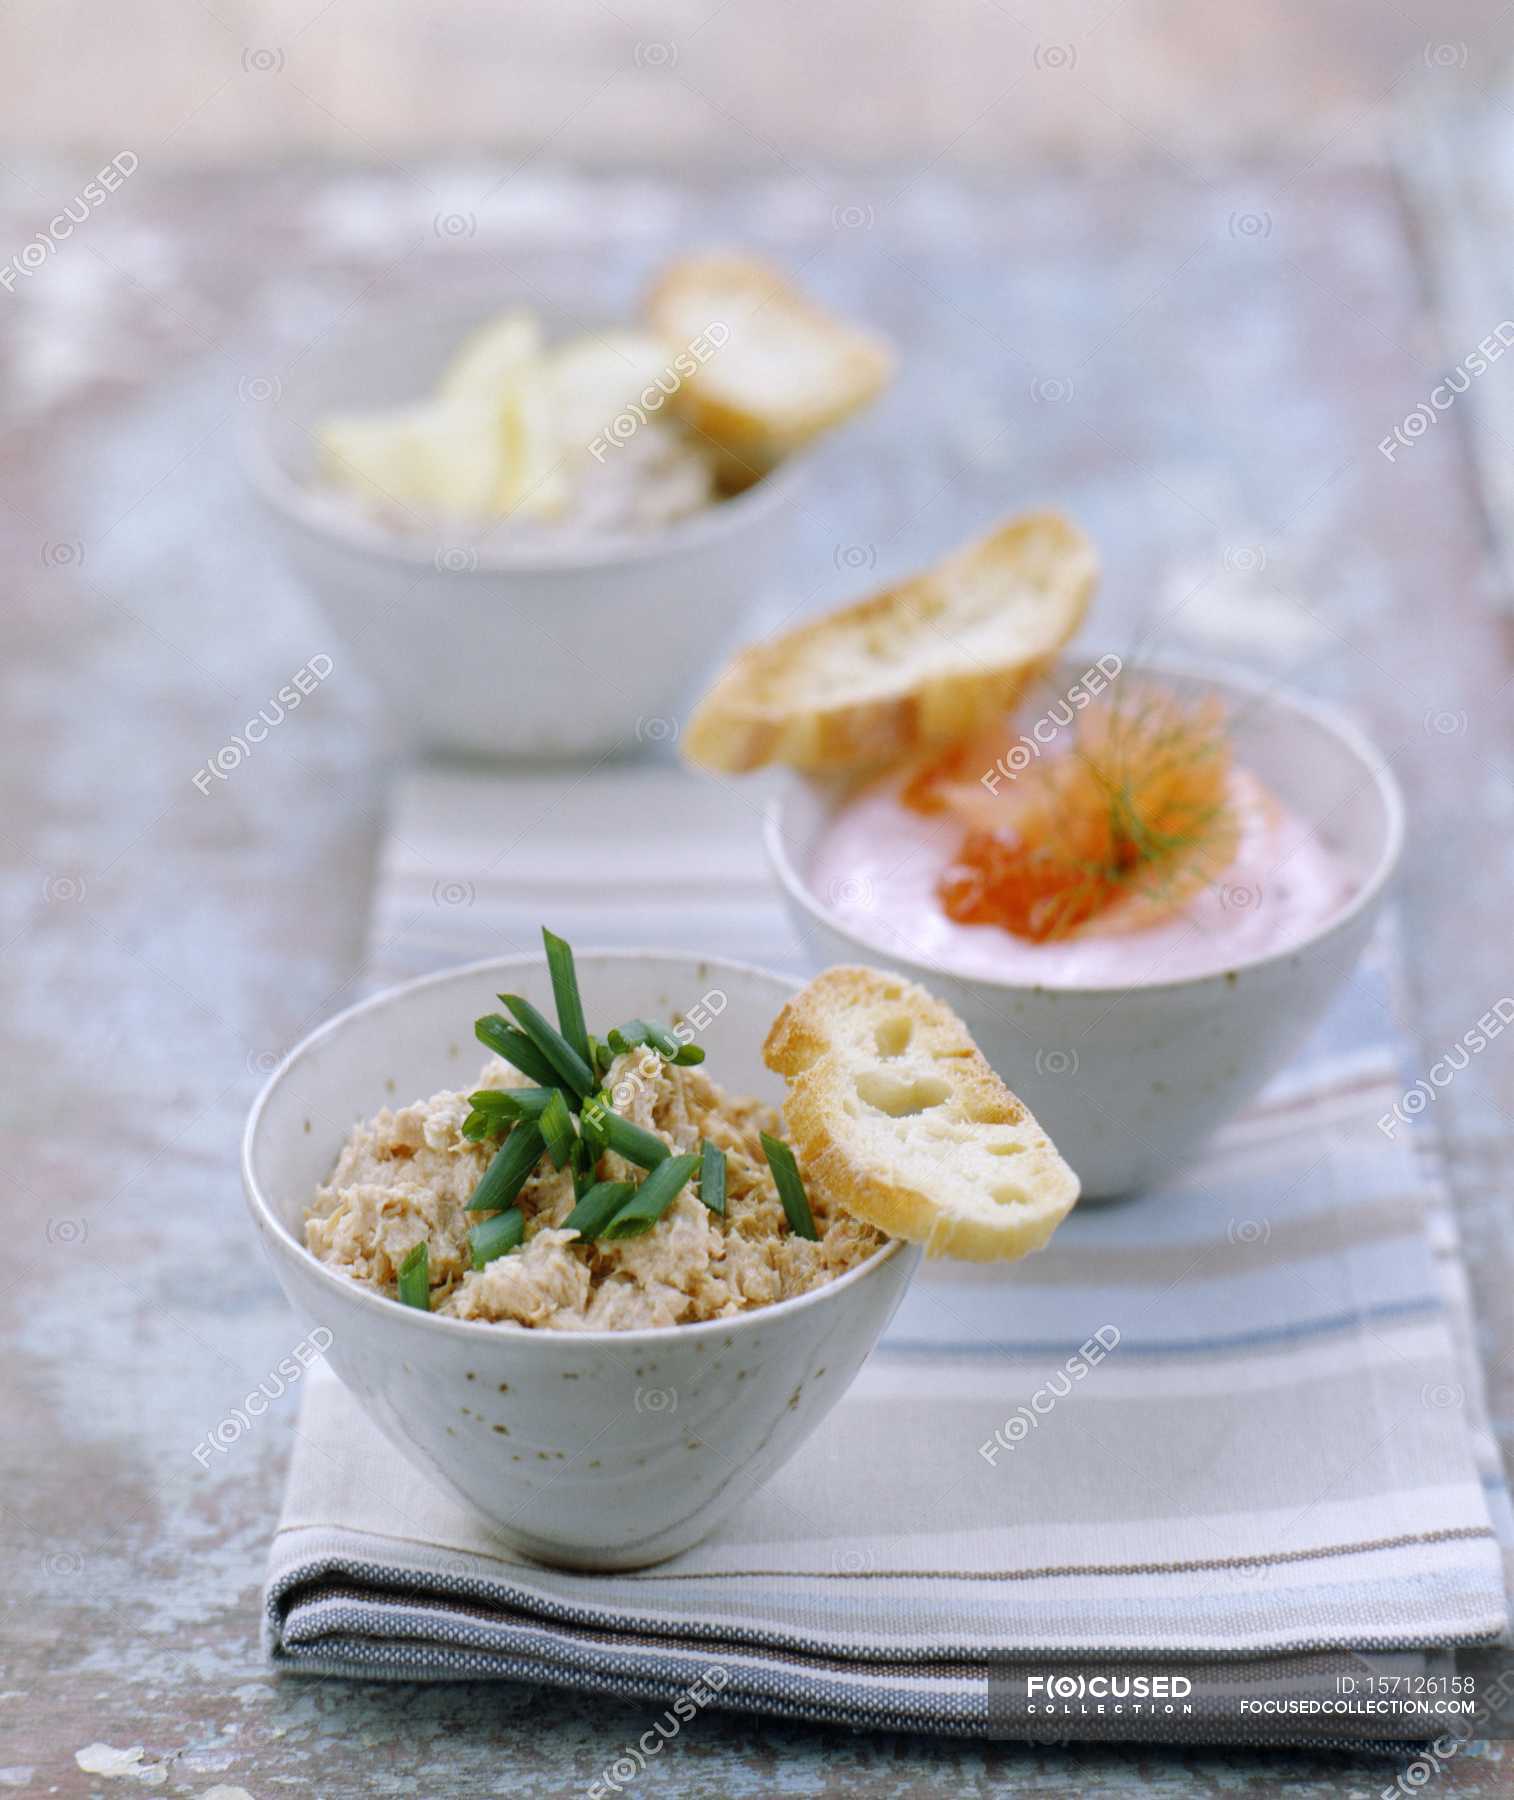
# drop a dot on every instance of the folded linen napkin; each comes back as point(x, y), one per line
point(1229, 1433)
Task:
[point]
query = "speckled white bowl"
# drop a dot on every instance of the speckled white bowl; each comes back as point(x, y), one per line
point(1128, 1081)
point(484, 643)
point(592, 1450)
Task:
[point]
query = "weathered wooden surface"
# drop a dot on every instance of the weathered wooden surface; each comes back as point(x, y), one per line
point(701, 83)
point(1201, 365)
point(1456, 163)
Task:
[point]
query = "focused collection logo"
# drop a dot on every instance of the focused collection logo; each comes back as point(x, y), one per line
point(1062, 1696)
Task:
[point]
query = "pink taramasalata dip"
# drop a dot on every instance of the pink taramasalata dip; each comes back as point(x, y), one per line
point(877, 867)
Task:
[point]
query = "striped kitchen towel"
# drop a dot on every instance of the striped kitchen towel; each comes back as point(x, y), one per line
point(1228, 1435)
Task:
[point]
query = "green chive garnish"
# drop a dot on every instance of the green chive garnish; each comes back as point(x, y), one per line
point(597, 1206)
point(566, 1063)
point(506, 1175)
point(488, 1098)
point(556, 1127)
point(495, 1110)
point(479, 1125)
point(790, 1187)
point(636, 1032)
point(570, 1006)
point(624, 1138)
point(662, 1040)
point(500, 1036)
point(497, 1235)
point(712, 1178)
point(653, 1198)
point(517, 1103)
point(591, 1124)
point(415, 1278)
point(570, 1067)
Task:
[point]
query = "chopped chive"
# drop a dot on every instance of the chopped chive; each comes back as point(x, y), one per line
point(570, 1067)
point(597, 1205)
point(625, 1139)
point(653, 1198)
point(415, 1278)
point(591, 1123)
point(636, 1032)
point(506, 1175)
point(495, 1110)
point(497, 1235)
point(500, 1036)
point(790, 1187)
point(662, 1040)
point(490, 1097)
point(712, 1178)
point(570, 1006)
point(479, 1125)
point(556, 1127)
point(518, 1103)
point(583, 1180)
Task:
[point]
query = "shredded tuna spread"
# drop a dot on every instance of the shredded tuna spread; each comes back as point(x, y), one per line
point(407, 1176)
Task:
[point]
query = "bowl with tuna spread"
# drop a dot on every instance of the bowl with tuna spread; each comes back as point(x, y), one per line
point(1138, 884)
point(592, 1265)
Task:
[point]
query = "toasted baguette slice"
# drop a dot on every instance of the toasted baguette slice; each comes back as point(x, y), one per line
point(897, 1119)
point(914, 666)
point(782, 371)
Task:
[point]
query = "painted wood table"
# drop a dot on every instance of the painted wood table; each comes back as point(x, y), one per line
point(1214, 369)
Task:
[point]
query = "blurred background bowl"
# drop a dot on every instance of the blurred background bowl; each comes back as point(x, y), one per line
point(481, 642)
point(1128, 1081)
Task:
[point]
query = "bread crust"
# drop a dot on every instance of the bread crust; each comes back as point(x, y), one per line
point(906, 1126)
point(909, 668)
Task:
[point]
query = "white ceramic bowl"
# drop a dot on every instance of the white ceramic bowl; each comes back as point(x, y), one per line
point(478, 644)
point(618, 1448)
point(1128, 1081)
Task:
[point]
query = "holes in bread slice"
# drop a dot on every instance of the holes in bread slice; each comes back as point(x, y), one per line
point(893, 1034)
point(1008, 1193)
point(901, 1094)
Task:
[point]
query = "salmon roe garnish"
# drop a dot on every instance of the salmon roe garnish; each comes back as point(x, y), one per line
point(1125, 824)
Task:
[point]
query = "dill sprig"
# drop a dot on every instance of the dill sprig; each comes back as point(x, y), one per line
point(1134, 815)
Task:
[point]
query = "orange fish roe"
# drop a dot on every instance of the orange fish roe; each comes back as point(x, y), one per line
point(1118, 830)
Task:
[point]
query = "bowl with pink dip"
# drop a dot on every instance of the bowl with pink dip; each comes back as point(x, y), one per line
point(1129, 1047)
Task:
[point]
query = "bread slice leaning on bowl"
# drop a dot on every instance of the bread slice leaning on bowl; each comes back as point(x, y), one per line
point(911, 667)
point(897, 1118)
point(782, 371)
